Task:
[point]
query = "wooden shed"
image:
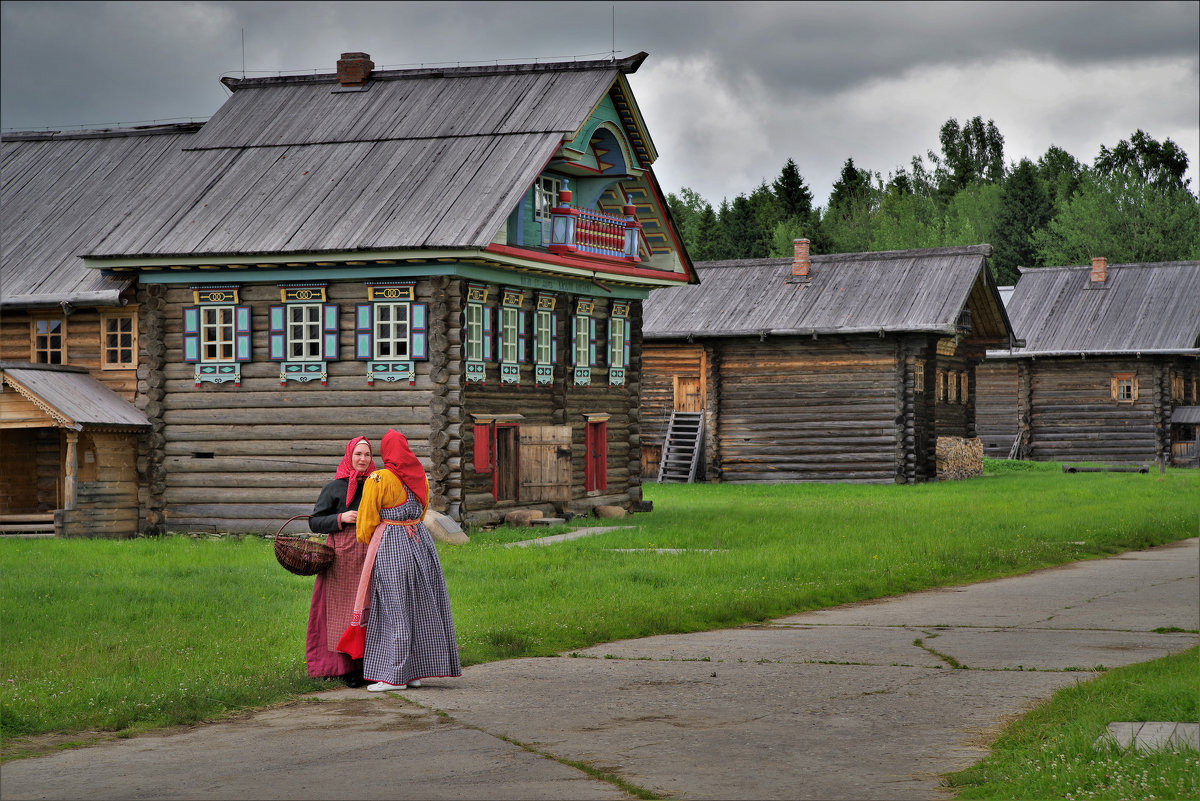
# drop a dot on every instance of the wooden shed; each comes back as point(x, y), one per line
point(461, 254)
point(1108, 372)
point(70, 453)
point(847, 367)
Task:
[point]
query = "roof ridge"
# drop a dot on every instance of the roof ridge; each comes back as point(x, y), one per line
point(878, 255)
point(625, 65)
point(103, 133)
point(1110, 266)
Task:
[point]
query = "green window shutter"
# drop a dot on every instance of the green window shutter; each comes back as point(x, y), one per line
point(363, 316)
point(419, 329)
point(277, 333)
point(488, 333)
point(191, 334)
point(329, 331)
point(592, 341)
point(241, 329)
point(522, 338)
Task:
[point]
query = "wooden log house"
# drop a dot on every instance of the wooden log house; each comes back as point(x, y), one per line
point(461, 254)
point(1109, 369)
point(825, 368)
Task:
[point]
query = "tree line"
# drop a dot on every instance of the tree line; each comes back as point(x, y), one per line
point(1132, 204)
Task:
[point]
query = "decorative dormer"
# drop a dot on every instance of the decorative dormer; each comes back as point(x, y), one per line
point(576, 230)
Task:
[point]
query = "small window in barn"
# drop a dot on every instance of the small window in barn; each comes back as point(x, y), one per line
point(618, 343)
point(544, 328)
point(918, 375)
point(49, 341)
point(583, 341)
point(1124, 387)
point(118, 350)
point(390, 333)
point(952, 386)
point(941, 385)
point(216, 335)
point(962, 387)
point(1177, 388)
point(303, 333)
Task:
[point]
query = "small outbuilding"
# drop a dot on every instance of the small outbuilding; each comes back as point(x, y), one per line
point(850, 367)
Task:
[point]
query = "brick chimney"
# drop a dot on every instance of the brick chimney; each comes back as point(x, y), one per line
point(1099, 269)
point(800, 261)
point(353, 69)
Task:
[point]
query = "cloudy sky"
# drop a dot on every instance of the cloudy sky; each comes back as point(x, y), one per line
point(730, 91)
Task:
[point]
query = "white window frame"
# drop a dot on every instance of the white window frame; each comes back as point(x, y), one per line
point(475, 312)
point(218, 338)
point(382, 340)
point(619, 327)
point(305, 332)
point(583, 340)
point(510, 353)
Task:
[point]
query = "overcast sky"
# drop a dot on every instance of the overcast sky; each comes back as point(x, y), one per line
point(729, 93)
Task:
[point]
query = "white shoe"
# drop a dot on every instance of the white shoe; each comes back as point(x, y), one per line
point(415, 683)
point(384, 686)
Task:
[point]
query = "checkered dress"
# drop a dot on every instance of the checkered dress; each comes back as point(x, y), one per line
point(410, 632)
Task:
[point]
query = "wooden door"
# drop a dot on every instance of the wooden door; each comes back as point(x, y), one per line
point(546, 463)
point(689, 394)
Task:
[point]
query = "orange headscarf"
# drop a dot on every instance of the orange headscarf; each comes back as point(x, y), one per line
point(346, 468)
point(399, 458)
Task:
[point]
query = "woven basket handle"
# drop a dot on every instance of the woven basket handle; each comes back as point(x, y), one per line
point(290, 519)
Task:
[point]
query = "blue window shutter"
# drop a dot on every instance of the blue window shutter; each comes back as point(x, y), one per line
point(420, 331)
point(553, 338)
point(592, 341)
point(574, 340)
point(241, 329)
point(329, 331)
point(191, 334)
point(487, 333)
point(277, 333)
point(626, 344)
point(363, 316)
point(522, 338)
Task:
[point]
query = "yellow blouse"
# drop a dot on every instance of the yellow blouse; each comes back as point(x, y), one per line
point(381, 490)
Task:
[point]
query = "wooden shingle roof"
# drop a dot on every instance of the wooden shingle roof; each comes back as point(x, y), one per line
point(418, 159)
point(71, 396)
point(895, 291)
point(63, 192)
point(1140, 308)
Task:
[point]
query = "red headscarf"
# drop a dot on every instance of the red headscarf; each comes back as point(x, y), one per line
point(346, 468)
point(399, 458)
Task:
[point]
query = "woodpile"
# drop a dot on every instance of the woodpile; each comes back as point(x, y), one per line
point(959, 457)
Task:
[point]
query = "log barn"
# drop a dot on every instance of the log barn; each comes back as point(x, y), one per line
point(851, 367)
point(1108, 370)
point(461, 254)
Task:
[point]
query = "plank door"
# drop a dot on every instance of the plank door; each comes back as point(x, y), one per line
point(689, 394)
point(546, 463)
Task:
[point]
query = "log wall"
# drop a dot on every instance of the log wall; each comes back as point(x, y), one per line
point(83, 343)
point(997, 419)
point(106, 489)
point(812, 410)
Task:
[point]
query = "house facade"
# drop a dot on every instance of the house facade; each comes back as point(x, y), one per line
point(851, 367)
point(1109, 367)
point(461, 254)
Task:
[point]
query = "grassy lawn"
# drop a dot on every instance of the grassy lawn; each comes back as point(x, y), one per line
point(120, 636)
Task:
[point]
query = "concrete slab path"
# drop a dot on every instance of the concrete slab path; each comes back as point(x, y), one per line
point(859, 702)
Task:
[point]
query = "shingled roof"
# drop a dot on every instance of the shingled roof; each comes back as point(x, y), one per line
point(63, 192)
point(305, 165)
point(893, 291)
point(1138, 308)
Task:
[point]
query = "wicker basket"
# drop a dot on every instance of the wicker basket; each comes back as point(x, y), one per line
point(300, 555)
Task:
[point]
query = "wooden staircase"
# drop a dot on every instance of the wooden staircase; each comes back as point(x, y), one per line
point(681, 448)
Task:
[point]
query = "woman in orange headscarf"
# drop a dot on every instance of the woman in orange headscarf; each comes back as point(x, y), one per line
point(335, 514)
point(409, 628)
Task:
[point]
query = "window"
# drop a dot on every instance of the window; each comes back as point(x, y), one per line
point(478, 334)
point(940, 377)
point(544, 328)
point(962, 387)
point(583, 342)
point(951, 386)
point(303, 333)
point(514, 345)
point(918, 375)
point(545, 197)
point(391, 333)
point(1124, 387)
point(49, 340)
point(216, 335)
point(618, 343)
point(118, 350)
point(1177, 387)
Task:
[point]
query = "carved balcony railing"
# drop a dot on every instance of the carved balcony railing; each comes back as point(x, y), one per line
point(575, 230)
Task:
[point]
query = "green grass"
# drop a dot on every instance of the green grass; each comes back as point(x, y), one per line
point(1049, 753)
point(119, 636)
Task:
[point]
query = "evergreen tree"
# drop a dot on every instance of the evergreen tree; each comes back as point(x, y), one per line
point(795, 199)
point(709, 239)
point(1023, 210)
point(847, 220)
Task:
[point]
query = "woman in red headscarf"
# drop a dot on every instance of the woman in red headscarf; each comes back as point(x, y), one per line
point(409, 630)
point(335, 514)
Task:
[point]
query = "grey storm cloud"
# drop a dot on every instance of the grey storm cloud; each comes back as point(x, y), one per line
point(730, 91)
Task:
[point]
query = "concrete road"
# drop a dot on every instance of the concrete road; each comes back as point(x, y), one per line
point(860, 702)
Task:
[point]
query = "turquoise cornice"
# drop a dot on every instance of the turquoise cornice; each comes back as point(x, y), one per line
point(474, 272)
